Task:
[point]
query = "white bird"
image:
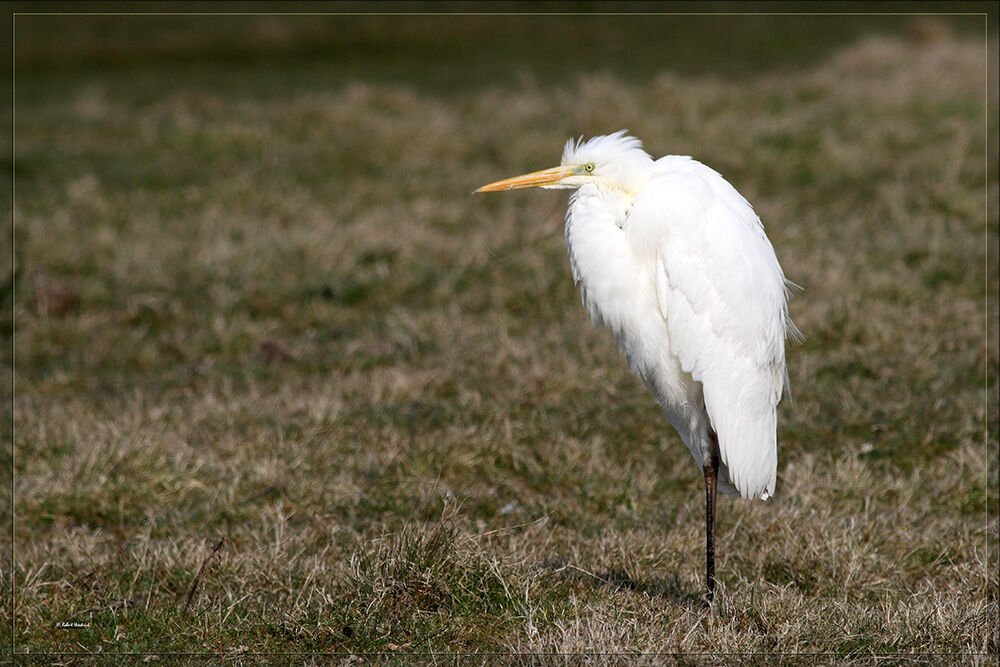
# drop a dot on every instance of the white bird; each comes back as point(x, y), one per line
point(674, 261)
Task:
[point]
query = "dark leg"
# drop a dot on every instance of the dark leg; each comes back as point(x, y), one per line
point(711, 471)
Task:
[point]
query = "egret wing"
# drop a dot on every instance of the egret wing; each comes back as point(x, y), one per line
point(722, 294)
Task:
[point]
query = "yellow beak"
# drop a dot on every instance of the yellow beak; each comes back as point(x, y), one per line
point(533, 180)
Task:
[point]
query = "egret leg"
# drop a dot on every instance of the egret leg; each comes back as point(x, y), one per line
point(711, 471)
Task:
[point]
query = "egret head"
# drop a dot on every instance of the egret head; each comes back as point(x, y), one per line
point(613, 161)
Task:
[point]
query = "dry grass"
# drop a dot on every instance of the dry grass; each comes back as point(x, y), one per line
point(279, 321)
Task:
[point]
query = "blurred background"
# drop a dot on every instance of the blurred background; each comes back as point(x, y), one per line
point(451, 53)
point(283, 384)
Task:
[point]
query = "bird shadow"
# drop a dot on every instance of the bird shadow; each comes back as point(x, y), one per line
point(617, 578)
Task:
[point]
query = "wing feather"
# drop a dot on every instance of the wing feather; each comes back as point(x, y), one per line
point(722, 293)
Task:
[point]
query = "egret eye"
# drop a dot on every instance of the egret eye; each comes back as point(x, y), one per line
point(589, 167)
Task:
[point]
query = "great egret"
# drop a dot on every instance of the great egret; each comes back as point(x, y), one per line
point(673, 260)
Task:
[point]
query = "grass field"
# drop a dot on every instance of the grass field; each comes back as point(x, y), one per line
point(283, 385)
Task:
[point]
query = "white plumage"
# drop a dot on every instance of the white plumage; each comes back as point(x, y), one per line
point(674, 261)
